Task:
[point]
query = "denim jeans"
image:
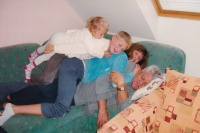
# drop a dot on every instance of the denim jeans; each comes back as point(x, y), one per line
point(35, 94)
point(56, 97)
point(71, 70)
point(9, 88)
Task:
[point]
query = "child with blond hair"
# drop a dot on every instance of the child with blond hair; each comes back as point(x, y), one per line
point(73, 43)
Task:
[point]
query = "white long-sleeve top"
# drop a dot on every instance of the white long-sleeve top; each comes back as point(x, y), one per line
point(81, 44)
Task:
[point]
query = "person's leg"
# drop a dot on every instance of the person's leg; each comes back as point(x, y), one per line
point(70, 71)
point(58, 38)
point(28, 68)
point(2, 130)
point(29, 95)
point(9, 88)
point(41, 50)
point(35, 94)
point(35, 59)
point(50, 71)
point(34, 55)
point(42, 58)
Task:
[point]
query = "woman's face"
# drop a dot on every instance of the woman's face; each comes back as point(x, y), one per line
point(137, 56)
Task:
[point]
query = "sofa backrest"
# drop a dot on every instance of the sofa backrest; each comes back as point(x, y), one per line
point(163, 55)
point(13, 59)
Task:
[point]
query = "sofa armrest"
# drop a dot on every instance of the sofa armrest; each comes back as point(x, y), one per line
point(138, 117)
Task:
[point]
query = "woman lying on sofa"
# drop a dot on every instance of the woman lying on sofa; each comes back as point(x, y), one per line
point(60, 97)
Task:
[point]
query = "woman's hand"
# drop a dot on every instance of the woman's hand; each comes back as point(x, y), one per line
point(49, 48)
point(137, 69)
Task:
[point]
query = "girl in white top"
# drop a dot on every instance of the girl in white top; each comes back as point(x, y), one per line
point(83, 43)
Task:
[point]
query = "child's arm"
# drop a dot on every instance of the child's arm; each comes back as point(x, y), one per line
point(95, 47)
point(129, 76)
point(137, 68)
point(107, 54)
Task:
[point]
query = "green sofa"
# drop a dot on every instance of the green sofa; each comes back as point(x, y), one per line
point(13, 59)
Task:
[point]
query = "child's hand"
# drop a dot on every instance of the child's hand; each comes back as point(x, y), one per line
point(49, 48)
point(107, 54)
point(137, 68)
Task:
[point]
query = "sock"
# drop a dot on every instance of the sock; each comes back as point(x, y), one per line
point(7, 113)
point(28, 68)
point(33, 55)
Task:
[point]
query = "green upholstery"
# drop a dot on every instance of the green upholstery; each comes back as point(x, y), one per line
point(13, 59)
point(165, 55)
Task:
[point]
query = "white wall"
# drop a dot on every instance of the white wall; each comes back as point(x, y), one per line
point(150, 16)
point(23, 21)
point(181, 33)
point(184, 34)
point(137, 17)
point(121, 15)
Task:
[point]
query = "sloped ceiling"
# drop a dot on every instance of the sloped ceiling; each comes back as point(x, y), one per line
point(121, 15)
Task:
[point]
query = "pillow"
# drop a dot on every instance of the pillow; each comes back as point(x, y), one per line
point(181, 108)
point(154, 84)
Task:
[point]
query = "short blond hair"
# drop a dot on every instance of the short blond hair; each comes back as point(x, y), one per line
point(97, 23)
point(124, 35)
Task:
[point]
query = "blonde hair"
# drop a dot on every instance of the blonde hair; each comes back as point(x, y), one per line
point(124, 35)
point(97, 23)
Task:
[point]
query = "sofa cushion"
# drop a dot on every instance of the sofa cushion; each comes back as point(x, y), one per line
point(181, 108)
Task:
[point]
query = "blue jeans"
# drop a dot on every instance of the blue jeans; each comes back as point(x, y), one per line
point(71, 70)
point(34, 94)
point(56, 97)
point(9, 88)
